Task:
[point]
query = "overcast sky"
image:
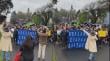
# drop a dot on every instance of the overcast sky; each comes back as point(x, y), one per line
point(22, 5)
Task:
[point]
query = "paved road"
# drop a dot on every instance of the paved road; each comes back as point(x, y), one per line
point(72, 54)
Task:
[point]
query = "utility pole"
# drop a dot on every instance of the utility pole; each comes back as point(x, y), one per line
point(28, 14)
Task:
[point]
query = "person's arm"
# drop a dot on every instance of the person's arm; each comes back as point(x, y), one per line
point(86, 32)
point(42, 34)
point(96, 37)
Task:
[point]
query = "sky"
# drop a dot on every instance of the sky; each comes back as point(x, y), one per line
point(22, 5)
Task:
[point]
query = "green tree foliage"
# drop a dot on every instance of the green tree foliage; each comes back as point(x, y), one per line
point(93, 16)
point(83, 17)
point(99, 11)
point(54, 1)
point(13, 17)
point(36, 19)
point(21, 15)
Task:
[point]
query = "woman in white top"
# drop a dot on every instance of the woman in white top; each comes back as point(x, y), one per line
point(91, 45)
point(5, 43)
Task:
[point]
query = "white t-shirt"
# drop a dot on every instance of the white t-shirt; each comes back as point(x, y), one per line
point(12, 30)
point(59, 31)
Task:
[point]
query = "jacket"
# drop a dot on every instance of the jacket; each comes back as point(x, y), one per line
point(5, 42)
point(43, 38)
point(27, 53)
point(91, 45)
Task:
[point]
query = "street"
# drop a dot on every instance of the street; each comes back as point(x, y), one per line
point(72, 54)
point(62, 30)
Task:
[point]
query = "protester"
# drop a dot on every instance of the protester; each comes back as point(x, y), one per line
point(59, 30)
point(54, 36)
point(49, 35)
point(43, 36)
point(27, 50)
point(64, 37)
point(91, 45)
point(33, 27)
point(12, 29)
point(15, 35)
point(102, 35)
point(5, 42)
point(108, 39)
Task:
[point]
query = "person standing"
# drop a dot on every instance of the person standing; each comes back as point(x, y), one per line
point(64, 37)
point(54, 36)
point(108, 39)
point(5, 42)
point(43, 36)
point(27, 49)
point(91, 45)
point(15, 35)
point(102, 35)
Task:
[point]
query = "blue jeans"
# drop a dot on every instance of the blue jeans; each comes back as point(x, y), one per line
point(92, 56)
point(6, 55)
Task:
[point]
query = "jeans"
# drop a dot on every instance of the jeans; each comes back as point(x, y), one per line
point(92, 56)
point(6, 55)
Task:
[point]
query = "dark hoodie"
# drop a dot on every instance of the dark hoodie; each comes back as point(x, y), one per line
point(27, 50)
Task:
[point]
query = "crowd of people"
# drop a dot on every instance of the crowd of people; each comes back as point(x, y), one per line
point(97, 35)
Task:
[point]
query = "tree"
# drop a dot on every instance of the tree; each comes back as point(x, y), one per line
point(2, 18)
point(28, 14)
point(36, 18)
point(83, 17)
point(5, 6)
point(98, 10)
point(13, 17)
point(72, 13)
point(54, 1)
point(21, 15)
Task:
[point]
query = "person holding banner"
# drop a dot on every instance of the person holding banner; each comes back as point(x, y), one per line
point(91, 45)
point(5, 42)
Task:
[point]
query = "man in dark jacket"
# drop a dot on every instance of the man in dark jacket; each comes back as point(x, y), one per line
point(27, 49)
point(64, 37)
point(15, 36)
point(108, 39)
